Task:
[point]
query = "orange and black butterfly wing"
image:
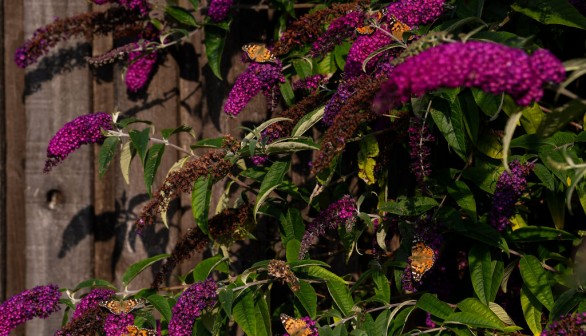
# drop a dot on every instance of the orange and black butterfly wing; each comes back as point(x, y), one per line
point(258, 53)
point(113, 306)
point(295, 327)
point(422, 259)
point(132, 304)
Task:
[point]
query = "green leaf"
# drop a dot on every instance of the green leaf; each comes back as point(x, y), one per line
point(566, 303)
point(460, 192)
point(551, 12)
point(181, 15)
point(498, 273)
point(450, 122)
point(291, 146)
point(306, 263)
point(287, 93)
point(308, 120)
point(398, 320)
point(107, 153)
point(92, 283)
point(382, 288)
point(481, 232)
point(479, 260)
point(243, 312)
point(341, 296)
point(161, 304)
point(168, 132)
point(489, 104)
point(307, 297)
point(292, 250)
point(324, 274)
point(412, 206)
point(559, 117)
point(509, 131)
point(128, 121)
point(215, 39)
point(152, 162)
point(136, 268)
point(140, 141)
point(203, 269)
point(540, 233)
point(501, 313)
point(263, 316)
point(126, 155)
point(200, 201)
point(536, 280)
point(292, 227)
point(226, 298)
point(431, 304)
point(302, 67)
point(272, 180)
point(194, 3)
point(531, 310)
point(209, 143)
point(477, 309)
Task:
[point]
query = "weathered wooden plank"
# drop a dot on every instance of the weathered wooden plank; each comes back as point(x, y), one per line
point(57, 205)
point(15, 151)
point(2, 165)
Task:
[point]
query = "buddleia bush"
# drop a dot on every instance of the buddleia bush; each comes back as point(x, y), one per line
point(441, 146)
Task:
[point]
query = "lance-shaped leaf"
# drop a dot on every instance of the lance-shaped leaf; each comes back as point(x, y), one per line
point(272, 180)
point(136, 268)
point(200, 201)
point(151, 164)
point(215, 39)
point(107, 153)
point(536, 280)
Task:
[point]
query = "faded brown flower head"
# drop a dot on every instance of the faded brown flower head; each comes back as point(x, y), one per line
point(225, 228)
point(281, 271)
point(91, 322)
point(212, 163)
point(355, 111)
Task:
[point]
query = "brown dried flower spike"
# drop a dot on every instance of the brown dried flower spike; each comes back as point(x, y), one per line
point(281, 271)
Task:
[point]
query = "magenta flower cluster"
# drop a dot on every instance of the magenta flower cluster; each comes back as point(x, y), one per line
point(85, 129)
point(115, 325)
point(339, 213)
point(338, 30)
point(310, 325)
point(362, 48)
point(509, 188)
point(491, 67)
point(571, 324)
point(416, 12)
point(337, 101)
point(419, 150)
point(258, 77)
point(191, 304)
point(91, 300)
point(30, 51)
point(218, 9)
point(40, 301)
point(139, 69)
point(310, 83)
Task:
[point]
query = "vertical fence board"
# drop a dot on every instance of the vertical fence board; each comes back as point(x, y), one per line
point(15, 150)
point(58, 222)
point(2, 163)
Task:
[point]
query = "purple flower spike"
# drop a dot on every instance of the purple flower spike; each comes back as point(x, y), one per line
point(416, 12)
point(85, 129)
point(258, 77)
point(491, 67)
point(115, 325)
point(91, 300)
point(509, 188)
point(341, 212)
point(361, 49)
point(139, 69)
point(571, 324)
point(340, 29)
point(218, 9)
point(40, 301)
point(195, 299)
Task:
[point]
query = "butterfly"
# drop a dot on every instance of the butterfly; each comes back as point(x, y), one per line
point(295, 327)
point(259, 53)
point(398, 28)
point(118, 307)
point(374, 20)
point(422, 259)
point(136, 331)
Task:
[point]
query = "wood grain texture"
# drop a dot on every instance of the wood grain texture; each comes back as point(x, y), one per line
point(3, 189)
point(58, 204)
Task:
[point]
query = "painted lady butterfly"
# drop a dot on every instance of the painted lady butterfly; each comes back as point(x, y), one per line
point(118, 307)
point(373, 20)
point(422, 259)
point(398, 28)
point(136, 331)
point(295, 327)
point(259, 53)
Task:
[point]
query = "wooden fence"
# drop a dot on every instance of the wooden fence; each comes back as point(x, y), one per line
point(70, 225)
